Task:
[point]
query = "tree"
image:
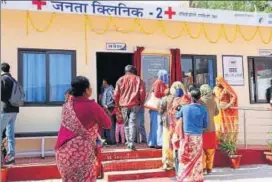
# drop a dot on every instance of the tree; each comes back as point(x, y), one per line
point(247, 6)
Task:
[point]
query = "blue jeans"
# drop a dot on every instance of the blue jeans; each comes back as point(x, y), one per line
point(8, 122)
point(141, 124)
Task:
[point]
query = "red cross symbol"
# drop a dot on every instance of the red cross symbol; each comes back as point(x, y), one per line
point(39, 3)
point(170, 12)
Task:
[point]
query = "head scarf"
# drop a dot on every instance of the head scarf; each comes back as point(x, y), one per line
point(206, 91)
point(175, 86)
point(225, 84)
point(163, 76)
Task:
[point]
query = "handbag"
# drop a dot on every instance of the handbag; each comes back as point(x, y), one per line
point(152, 102)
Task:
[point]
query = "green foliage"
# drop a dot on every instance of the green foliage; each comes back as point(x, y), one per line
point(227, 143)
point(247, 6)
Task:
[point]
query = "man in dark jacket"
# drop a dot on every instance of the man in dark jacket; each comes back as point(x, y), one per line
point(268, 94)
point(129, 95)
point(9, 112)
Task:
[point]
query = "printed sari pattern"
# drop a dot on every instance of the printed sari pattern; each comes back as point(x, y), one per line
point(190, 159)
point(76, 159)
point(178, 102)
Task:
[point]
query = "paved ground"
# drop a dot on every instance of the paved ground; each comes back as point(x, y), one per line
point(252, 173)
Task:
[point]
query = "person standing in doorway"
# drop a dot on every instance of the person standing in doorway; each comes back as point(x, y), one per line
point(107, 103)
point(9, 112)
point(129, 96)
point(268, 94)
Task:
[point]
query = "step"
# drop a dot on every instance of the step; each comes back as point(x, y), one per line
point(40, 169)
point(33, 172)
point(132, 164)
point(122, 154)
point(138, 174)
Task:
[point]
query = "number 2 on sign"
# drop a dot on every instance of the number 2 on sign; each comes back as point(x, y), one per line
point(159, 12)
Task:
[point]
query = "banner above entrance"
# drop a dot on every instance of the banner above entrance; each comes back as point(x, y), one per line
point(140, 10)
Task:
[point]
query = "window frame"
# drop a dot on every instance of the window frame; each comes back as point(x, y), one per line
point(47, 52)
point(199, 56)
point(256, 100)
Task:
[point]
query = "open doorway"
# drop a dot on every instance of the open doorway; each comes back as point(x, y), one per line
point(111, 66)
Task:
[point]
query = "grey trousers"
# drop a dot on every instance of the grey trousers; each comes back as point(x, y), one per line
point(130, 121)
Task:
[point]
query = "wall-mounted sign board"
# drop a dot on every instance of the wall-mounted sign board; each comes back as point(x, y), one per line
point(116, 46)
point(265, 52)
point(151, 64)
point(233, 70)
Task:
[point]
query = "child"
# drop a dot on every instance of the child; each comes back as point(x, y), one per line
point(119, 125)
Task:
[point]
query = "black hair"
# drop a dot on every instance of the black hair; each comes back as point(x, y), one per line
point(195, 95)
point(107, 80)
point(5, 67)
point(130, 69)
point(79, 86)
point(191, 87)
point(68, 91)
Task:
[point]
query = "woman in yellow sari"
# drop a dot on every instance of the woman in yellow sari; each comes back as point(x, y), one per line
point(227, 119)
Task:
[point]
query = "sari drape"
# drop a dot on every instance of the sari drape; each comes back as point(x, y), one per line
point(227, 119)
point(167, 152)
point(190, 159)
point(76, 158)
point(169, 128)
point(178, 102)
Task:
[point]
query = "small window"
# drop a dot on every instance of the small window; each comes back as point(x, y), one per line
point(46, 75)
point(260, 76)
point(198, 70)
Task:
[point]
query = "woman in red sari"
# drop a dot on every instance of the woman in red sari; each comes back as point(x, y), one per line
point(76, 144)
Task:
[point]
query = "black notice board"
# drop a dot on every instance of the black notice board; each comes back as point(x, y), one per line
point(151, 64)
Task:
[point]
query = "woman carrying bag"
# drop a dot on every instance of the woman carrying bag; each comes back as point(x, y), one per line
point(153, 103)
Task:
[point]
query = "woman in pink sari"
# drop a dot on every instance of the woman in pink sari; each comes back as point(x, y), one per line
point(76, 144)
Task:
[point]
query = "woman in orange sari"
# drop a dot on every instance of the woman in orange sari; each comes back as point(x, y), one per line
point(227, 119)
point(76, 146)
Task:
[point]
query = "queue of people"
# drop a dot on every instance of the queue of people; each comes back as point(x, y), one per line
point(182, 123)
point(189, 126)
